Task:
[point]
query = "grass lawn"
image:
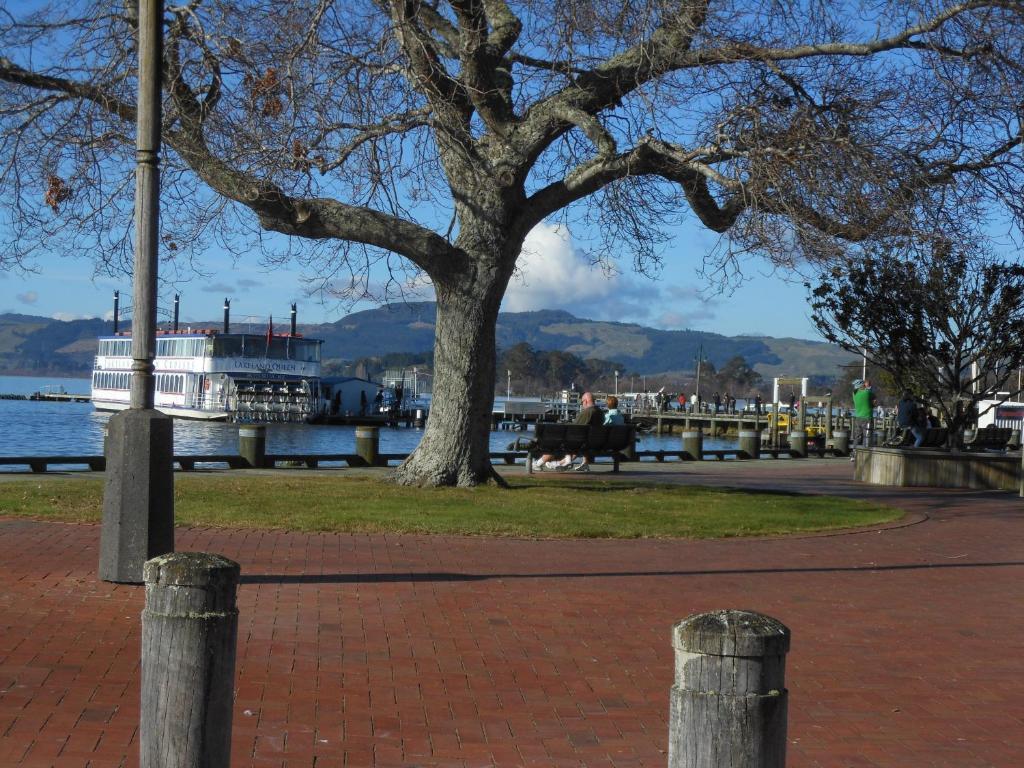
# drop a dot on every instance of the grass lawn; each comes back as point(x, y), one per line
point(584, 508)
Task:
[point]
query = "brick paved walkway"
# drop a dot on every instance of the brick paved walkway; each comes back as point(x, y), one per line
point(439, 651)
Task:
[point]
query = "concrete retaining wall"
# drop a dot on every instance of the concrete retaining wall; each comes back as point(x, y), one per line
point(938, 469)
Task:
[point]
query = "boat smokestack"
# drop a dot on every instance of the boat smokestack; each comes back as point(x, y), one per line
point(227, 315)
point(176, 301)
point(293, 319)
point(117, 303)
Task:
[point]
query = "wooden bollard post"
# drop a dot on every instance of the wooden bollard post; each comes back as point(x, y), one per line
point(189, 632)
point(252, 444)
point(729, 700)
point(841, 442)
point(750, 443)
point(368, 445)
point(693, 443)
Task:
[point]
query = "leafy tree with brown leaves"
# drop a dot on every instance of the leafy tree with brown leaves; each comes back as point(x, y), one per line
point(431, 136)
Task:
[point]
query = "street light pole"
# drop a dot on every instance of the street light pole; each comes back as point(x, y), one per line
point(700, 358)
point(616, 383)
point(138, 498)
point(508, 388)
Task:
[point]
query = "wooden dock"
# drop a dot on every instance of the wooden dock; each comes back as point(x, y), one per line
point(50, 397)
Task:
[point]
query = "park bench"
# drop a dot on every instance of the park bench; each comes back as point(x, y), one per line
point(935, 437)
point(990, 438)
point(562, 439)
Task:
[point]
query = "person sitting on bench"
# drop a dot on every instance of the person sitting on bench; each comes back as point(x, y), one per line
point(589, 415)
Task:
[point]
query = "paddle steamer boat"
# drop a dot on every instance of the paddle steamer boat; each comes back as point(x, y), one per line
point(213, 375)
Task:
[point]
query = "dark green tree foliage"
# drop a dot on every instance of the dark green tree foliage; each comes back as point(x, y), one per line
point(945, 325)
point(737, 376)
point(374, 367)
point(538, 372)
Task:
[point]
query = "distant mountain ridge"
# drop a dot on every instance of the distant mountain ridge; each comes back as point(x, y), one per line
point(43, 346)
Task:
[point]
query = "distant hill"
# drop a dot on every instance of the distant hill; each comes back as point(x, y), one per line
point(42, 346)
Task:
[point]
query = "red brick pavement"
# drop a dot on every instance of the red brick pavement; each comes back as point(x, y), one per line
point(444, 651)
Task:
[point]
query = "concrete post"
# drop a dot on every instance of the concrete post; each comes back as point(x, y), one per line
point(798, 443)
point(728, 705)
point(693, 443)
point(368, 444)
point(750, 443)
point(252, 444)
point(828, 419)
point(841, 441)
point(189, 633)
point(138, 495)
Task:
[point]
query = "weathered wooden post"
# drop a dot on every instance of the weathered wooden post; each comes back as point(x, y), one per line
point(693, 443)
point(728, 705)
point(189, 633)
point(252, 444)
point(368, 444)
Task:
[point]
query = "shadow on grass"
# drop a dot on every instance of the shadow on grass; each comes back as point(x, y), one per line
point(625, 486)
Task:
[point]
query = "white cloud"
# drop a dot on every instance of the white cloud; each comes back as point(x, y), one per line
point(29, 297)
point(552, 274)
point(69, 316)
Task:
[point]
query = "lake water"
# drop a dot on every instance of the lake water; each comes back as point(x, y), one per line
point(34, 428)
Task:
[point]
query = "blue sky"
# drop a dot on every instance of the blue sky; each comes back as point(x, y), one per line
point(554, 274)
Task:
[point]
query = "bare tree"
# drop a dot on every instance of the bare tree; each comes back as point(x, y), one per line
point(435, 135)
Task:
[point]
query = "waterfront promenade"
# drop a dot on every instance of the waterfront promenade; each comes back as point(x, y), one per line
point(908, 641)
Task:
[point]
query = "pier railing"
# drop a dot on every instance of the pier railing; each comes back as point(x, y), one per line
point(193, 462)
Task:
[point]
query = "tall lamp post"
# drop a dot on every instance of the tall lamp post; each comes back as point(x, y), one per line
point(138, 499)
point(508, 387)
point(616, 383)
point(700, 359)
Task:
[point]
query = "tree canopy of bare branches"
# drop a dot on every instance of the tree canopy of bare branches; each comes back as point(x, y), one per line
point(433, 135)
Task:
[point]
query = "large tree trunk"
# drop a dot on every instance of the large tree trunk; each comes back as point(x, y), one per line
point(455, 449)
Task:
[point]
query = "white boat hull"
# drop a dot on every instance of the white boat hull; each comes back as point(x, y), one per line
point(178, 413)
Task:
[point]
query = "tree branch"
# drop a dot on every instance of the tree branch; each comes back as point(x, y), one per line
point(651, 157)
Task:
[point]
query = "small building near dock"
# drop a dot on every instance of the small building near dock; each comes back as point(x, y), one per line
point(349, 395)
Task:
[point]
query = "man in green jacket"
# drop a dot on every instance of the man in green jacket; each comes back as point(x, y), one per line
point(863, 412)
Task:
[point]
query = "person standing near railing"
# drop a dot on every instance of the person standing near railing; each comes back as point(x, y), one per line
point(863, 413)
